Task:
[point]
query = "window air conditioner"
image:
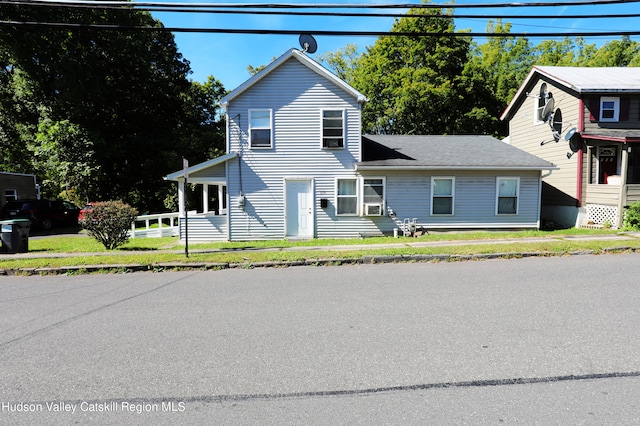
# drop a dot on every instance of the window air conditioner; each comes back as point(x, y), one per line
point(373, 209)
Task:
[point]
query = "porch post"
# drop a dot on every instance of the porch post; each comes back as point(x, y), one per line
point(622, 197)
point(205, 198)
point(220, 198)
point(181, 198)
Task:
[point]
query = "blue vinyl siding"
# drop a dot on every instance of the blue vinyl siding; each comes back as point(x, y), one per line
point(409, 196)
point(297, 95)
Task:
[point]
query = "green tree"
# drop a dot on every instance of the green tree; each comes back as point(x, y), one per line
point(416, 85)
point(617, 53)
point(127, 92)
point(503, 62)
point(64, 156)
point(343, 62)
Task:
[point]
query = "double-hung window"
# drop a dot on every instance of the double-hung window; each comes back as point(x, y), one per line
point(442, 195)
point(333, 128)
point(260, 129)
point(373, 196)
point(609, 109)
point(347, 197)
point(508, 190)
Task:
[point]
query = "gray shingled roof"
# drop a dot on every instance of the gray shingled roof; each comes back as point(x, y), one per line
point(445, 152)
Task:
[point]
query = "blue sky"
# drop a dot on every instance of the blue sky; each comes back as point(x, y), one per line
point(226, 56)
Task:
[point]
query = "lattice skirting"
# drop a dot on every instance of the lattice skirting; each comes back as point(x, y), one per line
point(599, 214)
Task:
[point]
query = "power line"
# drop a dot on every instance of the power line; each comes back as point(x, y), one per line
point(188, 9)
point(134, 4)
point(70, 26)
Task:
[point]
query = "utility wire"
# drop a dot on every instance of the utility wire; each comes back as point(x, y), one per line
point(133, 4)
point(341, 14)
point(71, 26)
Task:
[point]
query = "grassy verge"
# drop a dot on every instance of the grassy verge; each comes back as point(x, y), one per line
point(152, 251)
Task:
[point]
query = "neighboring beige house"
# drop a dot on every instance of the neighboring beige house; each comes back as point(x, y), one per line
point(17, 186)
point(587, 122)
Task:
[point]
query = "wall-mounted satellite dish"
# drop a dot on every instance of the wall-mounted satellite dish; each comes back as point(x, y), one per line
point(570, 134)
point(543, 90)
point(575, 142)
point(547, 111)
point(556, 124)
point(308, 43)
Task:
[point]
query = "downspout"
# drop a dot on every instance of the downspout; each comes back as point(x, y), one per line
point(580, 162)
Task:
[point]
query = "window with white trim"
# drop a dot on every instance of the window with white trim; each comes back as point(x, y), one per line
point(373, 192)
point(609, 108)
point(10, 195)
point(333, 128)
point(507, 194)
point(442, 195)
point(260, 129)
point(539, 103)
point(347, 197)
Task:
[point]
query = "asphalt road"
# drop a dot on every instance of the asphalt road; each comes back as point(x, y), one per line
point(524, 341)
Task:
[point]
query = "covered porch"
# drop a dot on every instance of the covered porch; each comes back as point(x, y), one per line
point(612, 178)
point(207, 213)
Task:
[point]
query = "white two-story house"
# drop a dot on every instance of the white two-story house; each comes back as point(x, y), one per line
point(298, 166)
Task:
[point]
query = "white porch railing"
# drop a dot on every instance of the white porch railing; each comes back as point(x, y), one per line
point(163, 230)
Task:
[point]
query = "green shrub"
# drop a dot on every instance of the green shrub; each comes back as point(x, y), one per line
point(109, 223)
point(632, 217)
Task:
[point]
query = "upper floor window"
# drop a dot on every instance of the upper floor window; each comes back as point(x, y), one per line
point(508, 192)
point(442, 193)
point(539, 103)
point(333, 128)
point(260, 129)
point(609, 109)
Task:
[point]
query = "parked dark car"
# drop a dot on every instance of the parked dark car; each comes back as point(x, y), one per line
point(43, 213)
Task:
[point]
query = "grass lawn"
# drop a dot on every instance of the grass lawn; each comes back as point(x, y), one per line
point(81, 251)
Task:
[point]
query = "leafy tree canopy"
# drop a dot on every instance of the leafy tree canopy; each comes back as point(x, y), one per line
point(445, 85)
point(413, 83)
point(117, 107)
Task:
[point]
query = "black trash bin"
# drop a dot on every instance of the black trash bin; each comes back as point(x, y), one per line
point(15, 235)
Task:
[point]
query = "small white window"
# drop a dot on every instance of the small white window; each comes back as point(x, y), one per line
point(332, 128)
point(508, 190)
point(609, 109)
point(442, 193)
point(10, 195)
point(373, 196)
point(260, 131)
point(347, 197)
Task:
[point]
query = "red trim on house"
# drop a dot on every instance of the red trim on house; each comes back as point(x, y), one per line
point(620, 139)
point(580, 160)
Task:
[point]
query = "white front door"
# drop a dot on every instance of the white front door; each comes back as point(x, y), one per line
point(299, 208)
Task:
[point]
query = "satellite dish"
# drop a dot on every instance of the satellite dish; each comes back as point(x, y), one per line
point(570, 134)
point(556, 124)
point(575, 142)
point(548, 108)
point(308, 43)
point(543, 90)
